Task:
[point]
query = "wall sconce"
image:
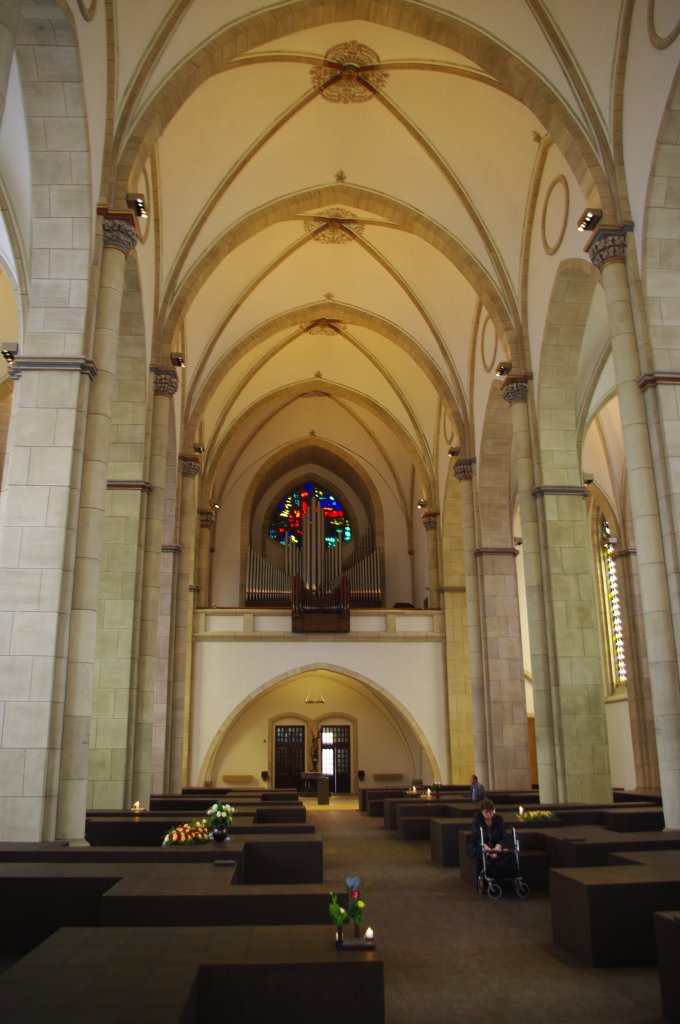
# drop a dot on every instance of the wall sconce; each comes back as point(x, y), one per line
point(503, 369)
point(199, 449)
point(454, 450)
point(9, 350)
point(137, 203)
point(177, 359)
point(421, 503)
point(589, 219)
point(215, 504)
point(517, 541)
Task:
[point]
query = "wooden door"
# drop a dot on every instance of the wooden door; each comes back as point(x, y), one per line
point(289, 756)
point(335, 756)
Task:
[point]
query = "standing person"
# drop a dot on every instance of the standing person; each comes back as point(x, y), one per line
point(477, 791)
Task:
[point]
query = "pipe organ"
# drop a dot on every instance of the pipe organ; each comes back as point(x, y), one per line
point(315, 573)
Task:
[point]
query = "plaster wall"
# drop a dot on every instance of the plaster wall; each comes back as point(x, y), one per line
point(229, 674)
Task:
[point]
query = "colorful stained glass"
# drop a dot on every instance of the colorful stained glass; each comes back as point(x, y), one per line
point(615, 622)
point(289, 516)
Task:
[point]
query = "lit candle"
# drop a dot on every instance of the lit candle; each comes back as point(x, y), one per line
point(135, 806)
point(521, 810)
point(428, 791)
point(369, 934)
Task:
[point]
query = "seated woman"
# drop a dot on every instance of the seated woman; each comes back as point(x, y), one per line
point(488, 834)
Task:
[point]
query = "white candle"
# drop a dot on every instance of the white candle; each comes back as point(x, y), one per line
point(135, 806)
point(369, 934)
point(521, 810)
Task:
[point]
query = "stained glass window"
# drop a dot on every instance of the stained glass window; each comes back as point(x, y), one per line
point(290, 514)
point(613, 605)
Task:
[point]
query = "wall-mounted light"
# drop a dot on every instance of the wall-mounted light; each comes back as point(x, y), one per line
point(454, 450)
point(589, 219)
point(503, 369)
point(215, 504)
point(421, 503)
point(177, 359)
point(137, 203)
point(517, 541)
point(199, 449)
point(9, 350)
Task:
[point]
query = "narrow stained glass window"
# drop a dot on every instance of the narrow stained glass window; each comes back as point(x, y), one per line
point(613, 607)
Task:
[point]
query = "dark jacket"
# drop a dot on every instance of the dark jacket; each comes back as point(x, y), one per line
point(492, 834)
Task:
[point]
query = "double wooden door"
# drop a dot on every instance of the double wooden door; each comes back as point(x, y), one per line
point(334, 750)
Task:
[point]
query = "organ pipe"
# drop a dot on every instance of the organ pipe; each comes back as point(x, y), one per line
point(319, 568)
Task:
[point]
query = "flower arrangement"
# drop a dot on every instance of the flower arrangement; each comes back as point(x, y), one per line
point(354, 911)
point(189, 832)
point(525, 815)
point(220, 814)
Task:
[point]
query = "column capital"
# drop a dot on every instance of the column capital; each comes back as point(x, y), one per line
point(206, 517)
point(429, 518)
point(165, 382)
point(608, 245)
point(462, 469)
point(190, 465)
point(118, 228)
point(516, 389)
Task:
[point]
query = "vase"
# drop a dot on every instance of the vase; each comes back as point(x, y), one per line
point(219, 833)
point(339, 938)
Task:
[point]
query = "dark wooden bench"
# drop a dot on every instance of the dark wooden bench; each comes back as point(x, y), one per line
point(166, 976)
point(667, 935)
point(573, 846)
point(605, 915)
point(149, 828)
point(626, 818)
point(263, 881)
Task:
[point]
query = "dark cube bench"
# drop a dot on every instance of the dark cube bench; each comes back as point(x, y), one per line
point(42, 896)
point(667, 935)
point(605, 915)
point(180, 976)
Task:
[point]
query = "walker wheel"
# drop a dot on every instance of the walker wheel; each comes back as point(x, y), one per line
point(495, 891)
point(521, 888)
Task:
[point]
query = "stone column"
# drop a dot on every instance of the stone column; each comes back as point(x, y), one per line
point(607, 250)
point(430, 520)
point(9, 17)
point(119, 240)
point(516, 393)
point(165, 386)
point(457, 661)
point(179, 718)
point(206, 519)
point(463, 470)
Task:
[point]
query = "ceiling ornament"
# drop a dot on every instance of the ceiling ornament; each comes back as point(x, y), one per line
point(349, 73)
point(324, 326)
point(334, 226)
